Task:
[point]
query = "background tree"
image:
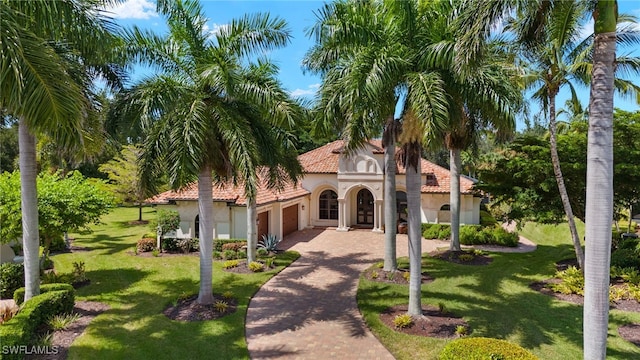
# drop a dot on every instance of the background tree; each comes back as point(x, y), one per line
point(205, 111)
point(51, 51)
point(8, 145)
point(66, 203)
point(124, 176)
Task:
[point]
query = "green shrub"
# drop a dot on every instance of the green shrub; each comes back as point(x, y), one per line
point(625, 257)
point(484, 349)
point(51, 277)
point(62, 321)
point(217, 254)
point(146, 244)
point(256, 266)
point(57, 244)
point(229, 254)
point(572, 281)
point(18, 295)
point(486, 219)
point(11, 278)
point(462, 330)
point(436, 231)
point(169, 244)
point(504, 237)
point(221, 306)
point(262, 252)
point(492, 235)
point(241, 254)
point(466, 257)
point(268, 262)
point(403, 321)
point(21, 329)
point(168, 220)
point(469, 235)
point(230, 264)
point(79, 272)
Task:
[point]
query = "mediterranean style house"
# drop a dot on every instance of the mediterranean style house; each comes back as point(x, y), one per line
point(337, 191)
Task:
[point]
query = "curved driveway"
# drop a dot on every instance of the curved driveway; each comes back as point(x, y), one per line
point(309, 310)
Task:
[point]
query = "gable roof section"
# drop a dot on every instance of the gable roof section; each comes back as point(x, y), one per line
point(323, 160)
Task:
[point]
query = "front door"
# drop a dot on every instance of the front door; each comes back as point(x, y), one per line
point(365, 207)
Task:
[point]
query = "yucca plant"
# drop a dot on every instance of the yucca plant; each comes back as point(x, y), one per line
point(269, 242)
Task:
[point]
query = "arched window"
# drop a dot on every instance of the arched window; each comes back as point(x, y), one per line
point(328, 205)
point(445, 207)
point(197, 229)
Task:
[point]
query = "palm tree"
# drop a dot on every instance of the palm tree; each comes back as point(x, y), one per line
point(205, 111)
point(599, 200)
point(560, 59)
point(371, 56)
point(51, 51)
point(485, 98)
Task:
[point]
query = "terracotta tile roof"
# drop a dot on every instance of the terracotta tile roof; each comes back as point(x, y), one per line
point(323, 160)
point(231, 194)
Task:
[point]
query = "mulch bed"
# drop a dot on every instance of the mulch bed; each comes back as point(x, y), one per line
point(243, 268)
point(392, 277)
point(188, 309)
point(631, 333)
point(454, 257)
point(62, 339)
point(433, 323)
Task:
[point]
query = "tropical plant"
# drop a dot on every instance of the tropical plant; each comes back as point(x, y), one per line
point(269, 242)
point(211, 109)
point(403, 321)
point(51, 52)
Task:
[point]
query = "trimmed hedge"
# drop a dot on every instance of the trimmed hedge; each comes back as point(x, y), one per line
point(11, 278)
point(18, 295)
point(20, 330)
point(472, 234)
point(484, 348)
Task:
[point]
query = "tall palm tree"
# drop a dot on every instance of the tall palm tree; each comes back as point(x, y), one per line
point(369, 54)
point(599, 200)
point(486, 98)
point(560, 59)
point(205, 110)
point(50, 53)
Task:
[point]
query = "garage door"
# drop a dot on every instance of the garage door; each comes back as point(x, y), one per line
point(289, 220)
point(263, 224)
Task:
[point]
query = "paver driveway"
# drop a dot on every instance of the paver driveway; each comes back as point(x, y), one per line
point(309, 310)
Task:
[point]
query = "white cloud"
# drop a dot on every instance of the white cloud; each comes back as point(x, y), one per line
point(310, 90)
point(214, 29)
point(133, 9)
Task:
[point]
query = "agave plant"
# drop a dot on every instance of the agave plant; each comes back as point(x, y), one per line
point(269, 242)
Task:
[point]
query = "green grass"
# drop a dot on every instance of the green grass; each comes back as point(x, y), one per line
point(497, 302)
point(139, 288)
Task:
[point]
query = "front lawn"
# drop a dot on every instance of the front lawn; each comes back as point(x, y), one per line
point(497, 302)
point(139, 288)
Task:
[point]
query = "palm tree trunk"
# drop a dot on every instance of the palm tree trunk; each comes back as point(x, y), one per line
point(29, 202)
point(252, 231)
point(555, 160)
point(454, 198)
point(415, 238)
point(599, 199)
point(205, 205)
point(390, 206)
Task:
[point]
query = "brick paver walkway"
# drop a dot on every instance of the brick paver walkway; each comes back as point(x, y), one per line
point(309, 310)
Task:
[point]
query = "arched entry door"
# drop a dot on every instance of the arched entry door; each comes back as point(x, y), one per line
point(365, 207)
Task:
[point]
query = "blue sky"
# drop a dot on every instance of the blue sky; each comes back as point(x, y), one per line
point(300, 16)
